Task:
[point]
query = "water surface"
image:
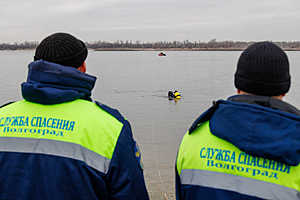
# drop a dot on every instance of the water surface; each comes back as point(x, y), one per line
point(137, 84)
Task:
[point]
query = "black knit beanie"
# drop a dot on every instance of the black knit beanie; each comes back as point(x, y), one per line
point(263, 69)
point(62, 48)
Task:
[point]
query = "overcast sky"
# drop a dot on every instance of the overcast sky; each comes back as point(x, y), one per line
point(151, 20)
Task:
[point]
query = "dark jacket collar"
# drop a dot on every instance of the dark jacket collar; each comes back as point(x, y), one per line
point(267, 102)
point(50, 83)
point(271, 131)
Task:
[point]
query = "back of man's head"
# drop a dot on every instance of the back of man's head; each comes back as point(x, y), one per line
point(263, 69)
point(62, 48)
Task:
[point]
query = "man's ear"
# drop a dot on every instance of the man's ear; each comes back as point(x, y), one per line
point(82, 68)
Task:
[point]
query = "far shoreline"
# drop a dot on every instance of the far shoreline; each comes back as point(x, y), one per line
point(181, 49)
point(158, 49)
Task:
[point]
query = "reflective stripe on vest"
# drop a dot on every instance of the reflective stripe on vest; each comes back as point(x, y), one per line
point(56, 148)
point(206, 160)
point(79, 129)
point(239, 184)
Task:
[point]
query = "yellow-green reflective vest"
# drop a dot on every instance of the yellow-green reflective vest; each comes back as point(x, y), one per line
point(206, 160)
point(79, 129)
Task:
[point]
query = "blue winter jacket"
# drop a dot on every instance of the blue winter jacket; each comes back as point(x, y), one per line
point(260, 126)
point(34, 176)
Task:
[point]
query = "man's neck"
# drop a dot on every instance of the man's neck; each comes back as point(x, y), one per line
point(280, 97)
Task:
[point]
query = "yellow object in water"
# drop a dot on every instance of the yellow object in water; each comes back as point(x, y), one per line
point(177, 95)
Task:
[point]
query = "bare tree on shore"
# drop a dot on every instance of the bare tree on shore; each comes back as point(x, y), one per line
point(129, 44)
point(186, 44)
point(18, 46)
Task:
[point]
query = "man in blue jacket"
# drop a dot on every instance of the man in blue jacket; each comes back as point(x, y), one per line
point(248, 146)
point(59, 144)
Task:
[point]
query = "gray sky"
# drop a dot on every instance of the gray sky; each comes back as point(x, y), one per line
point(151, 20)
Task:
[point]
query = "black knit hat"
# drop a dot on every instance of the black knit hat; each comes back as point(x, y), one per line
point(62, 48)
point(263, 69)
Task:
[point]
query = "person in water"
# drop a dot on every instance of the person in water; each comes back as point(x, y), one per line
point(248, 146)
point(59, 144)
point(174, 94)
point(177, 94)
point(171, 94)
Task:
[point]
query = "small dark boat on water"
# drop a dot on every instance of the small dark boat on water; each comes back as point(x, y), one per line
point(161, 54)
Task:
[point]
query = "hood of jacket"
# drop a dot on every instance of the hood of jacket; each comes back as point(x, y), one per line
point(260, 126)
point(51, 83)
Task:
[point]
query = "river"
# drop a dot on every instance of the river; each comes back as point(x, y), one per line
point(137, 84)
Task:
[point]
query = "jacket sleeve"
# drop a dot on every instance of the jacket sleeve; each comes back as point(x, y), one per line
point(178, 184)
point(125, 177)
